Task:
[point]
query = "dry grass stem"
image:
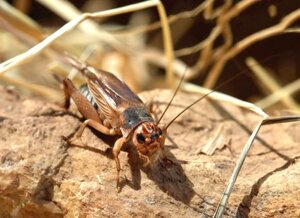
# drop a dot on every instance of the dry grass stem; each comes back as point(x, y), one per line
point(90, 25)
point(26, 56)
point(224, 14)
point(223, 97)
point(21, 26)
point(171, 19)
point(68, 12)
point(270, 83)
point(266, 121)
point(155, 57)
point(40, 90)
point(284, 92)
point(248, 41)
point(22, 5)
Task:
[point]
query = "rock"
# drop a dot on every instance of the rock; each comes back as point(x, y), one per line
point(42, 176)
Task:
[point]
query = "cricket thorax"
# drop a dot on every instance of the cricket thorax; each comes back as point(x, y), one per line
point(132, 117)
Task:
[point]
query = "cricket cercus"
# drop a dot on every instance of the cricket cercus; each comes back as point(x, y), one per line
point(110, 107)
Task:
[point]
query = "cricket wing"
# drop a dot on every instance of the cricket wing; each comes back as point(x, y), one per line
point(115, 92)
point(112, 96)
point(104, 106)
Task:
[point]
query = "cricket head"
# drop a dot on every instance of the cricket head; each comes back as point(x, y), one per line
point(149, 140)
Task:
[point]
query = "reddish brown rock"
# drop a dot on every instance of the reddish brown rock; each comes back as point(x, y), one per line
point(41, 176)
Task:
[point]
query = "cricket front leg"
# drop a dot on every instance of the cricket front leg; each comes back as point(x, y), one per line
point(116, 151)
point(162, 142)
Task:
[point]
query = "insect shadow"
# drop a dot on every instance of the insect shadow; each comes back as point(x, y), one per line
point(169, 176)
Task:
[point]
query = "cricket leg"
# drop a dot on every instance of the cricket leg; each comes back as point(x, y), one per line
point(165, 158)
point(68, 89)
point(106, 123)
point(95, 125)
point(116, 151)
point(83, 105)
point(145, 160)
point(85, 108)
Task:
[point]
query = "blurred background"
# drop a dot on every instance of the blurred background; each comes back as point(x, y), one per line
point(216, 39)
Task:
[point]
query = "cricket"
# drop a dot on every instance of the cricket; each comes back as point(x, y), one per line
point(118, 111)
point(184, 168)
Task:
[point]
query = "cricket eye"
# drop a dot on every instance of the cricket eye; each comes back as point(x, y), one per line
point(153, 136)
point(160, 132)
point(140, 138)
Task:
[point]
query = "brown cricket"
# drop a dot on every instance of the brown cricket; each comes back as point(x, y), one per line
point(112, 108)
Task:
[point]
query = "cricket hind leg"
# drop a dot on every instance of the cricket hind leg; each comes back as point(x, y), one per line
point(93, 120)
point(86, 109)
point(82, 103)
point(97, 126)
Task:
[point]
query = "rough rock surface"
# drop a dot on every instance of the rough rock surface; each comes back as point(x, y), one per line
point(41, 176)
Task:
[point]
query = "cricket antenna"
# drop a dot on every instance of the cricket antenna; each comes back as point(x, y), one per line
point(75, 62)
point(202, 97)
point(217, 88)
point(177, 89)
point(80, 66)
